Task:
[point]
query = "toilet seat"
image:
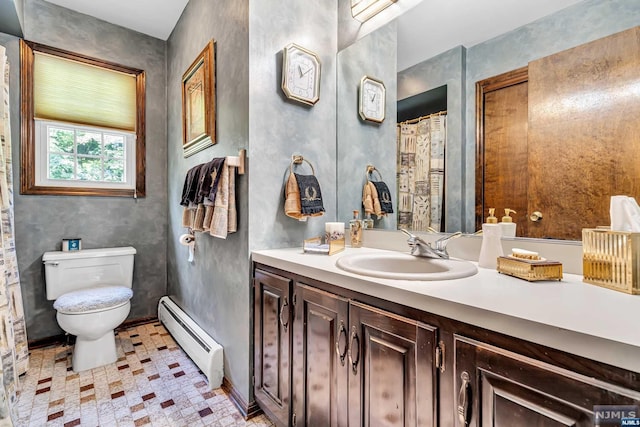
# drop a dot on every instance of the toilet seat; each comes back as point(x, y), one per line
point(93, 300)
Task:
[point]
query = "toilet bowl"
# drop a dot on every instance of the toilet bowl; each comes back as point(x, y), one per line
point(92, 292)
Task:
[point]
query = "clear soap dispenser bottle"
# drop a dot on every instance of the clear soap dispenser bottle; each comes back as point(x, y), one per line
point(491, 247)
point(368, 222)
point(355, 231)
point(507, 224)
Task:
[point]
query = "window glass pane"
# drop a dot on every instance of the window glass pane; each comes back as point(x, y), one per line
point(89, 169)
point(60, 166)
point(89, 143)
point(114, 170)
point(60, 140)
point(114, 145)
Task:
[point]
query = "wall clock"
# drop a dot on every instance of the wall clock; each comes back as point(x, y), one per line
point(371, 100)
point(300, 74)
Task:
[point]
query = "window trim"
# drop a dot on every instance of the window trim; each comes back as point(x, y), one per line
point(28, 132)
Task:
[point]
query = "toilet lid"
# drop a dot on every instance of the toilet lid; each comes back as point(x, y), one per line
point(93, 299)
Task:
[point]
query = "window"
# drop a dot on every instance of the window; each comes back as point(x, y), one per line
point(82, 125)
point(80, 156)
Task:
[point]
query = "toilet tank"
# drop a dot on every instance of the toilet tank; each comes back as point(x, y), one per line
point(87, 268)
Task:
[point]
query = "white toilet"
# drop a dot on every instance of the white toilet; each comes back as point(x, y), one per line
point(91, 289)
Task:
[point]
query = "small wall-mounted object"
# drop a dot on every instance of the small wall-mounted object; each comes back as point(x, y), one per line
point(199, 102)
point(300, 74)
point(611, 258)
point(238, 161)
point(372, 100)
point(362, 10)
point(74, 244)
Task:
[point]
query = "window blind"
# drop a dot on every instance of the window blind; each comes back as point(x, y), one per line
point(71, 91)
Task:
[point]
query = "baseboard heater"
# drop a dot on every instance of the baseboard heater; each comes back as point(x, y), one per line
point(199, 346)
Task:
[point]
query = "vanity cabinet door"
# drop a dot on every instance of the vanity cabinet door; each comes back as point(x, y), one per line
point(272, 345)
point(499, 388)
point(392, 379)
point(320, 369)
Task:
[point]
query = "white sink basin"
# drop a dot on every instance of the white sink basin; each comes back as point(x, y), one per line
point(400, 266)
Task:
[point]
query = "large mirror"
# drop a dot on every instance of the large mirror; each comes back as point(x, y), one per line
point(451, 45)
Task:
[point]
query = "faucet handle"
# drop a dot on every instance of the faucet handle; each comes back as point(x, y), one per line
point(404, 230)
point(441, 243)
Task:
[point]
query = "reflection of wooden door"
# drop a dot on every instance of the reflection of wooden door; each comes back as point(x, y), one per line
point(578, 146)
point(584, 133)
point(501, 178)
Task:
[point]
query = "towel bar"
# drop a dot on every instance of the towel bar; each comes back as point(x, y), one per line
point(238, 161)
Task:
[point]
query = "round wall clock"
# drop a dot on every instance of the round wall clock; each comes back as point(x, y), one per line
point(300, 74)
point(371, 101)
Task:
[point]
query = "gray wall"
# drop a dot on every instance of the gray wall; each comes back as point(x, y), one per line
point(365, 143)
point(43, 221)
point(280, 128)
point(215, 289)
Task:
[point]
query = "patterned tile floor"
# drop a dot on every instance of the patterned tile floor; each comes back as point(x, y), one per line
point(153, 383)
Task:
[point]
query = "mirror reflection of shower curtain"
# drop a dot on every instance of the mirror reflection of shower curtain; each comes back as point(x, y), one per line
point(420, 169)
point(14, 353)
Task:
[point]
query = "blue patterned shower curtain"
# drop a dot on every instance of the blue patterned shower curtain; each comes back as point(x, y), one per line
point(14, 354)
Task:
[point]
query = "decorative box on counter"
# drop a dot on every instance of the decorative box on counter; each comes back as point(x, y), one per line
point(529, 267)
point(315, 245)
point(611, 259)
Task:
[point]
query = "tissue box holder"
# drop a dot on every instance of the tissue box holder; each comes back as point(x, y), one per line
point(315, 246)
point(611, 259)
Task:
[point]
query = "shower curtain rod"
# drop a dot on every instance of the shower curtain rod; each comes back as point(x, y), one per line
point(416, 120)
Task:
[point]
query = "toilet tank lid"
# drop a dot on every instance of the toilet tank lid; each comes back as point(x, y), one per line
point(88, 253)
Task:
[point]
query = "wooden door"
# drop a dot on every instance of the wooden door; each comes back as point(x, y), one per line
point(498, 388)
point(320, 368)
point(560, 136)
point(392, 379)
point(272, 345)
point(584, 133)
point(501, 177)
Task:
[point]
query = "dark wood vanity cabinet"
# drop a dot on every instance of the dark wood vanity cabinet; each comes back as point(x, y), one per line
point(272, 341)
point(327, 356)
point(320, 366)
point(499, 388)
point(392, 377)
point(345, 363)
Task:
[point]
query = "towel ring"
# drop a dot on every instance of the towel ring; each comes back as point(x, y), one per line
point(370, 170)
point(297, 160)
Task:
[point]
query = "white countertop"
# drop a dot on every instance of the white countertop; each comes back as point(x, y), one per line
point(570, 315)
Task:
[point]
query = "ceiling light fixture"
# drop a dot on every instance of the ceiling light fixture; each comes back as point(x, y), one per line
point(362, 10)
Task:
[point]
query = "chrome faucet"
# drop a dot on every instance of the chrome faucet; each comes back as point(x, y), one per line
point(422, 248)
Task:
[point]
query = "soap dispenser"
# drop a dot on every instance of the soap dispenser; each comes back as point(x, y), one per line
point(507, 224)
point(355, 231)
point(491, 247)
point(368, 222)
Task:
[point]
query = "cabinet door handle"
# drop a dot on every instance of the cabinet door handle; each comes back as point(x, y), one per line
point(464, 400)
point(284, 324)
point(354, 337)
point(342, 354)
